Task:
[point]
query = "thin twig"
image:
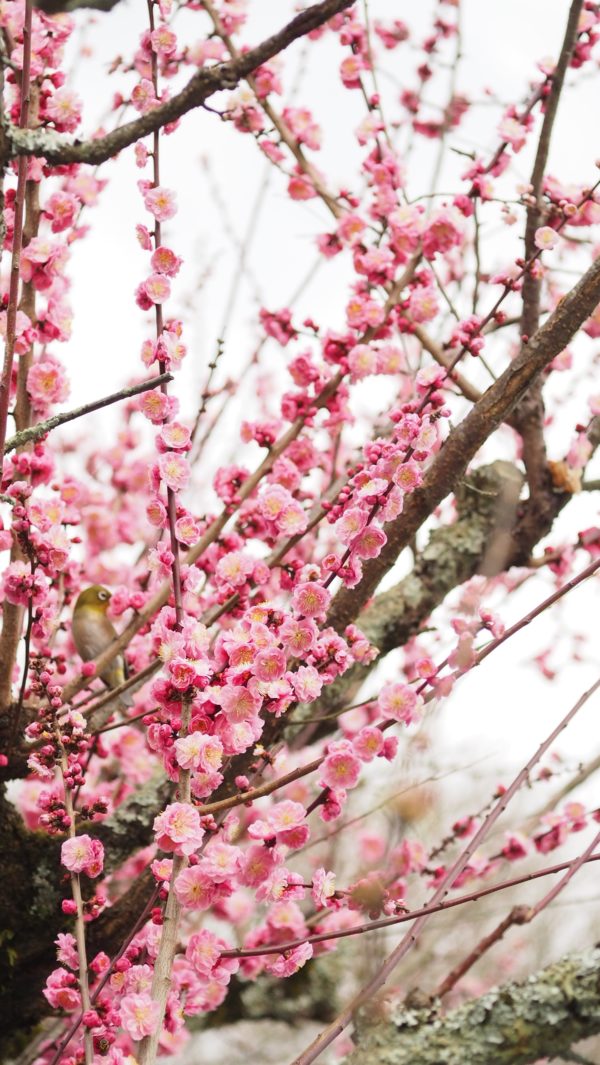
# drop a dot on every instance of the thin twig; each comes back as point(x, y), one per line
point(17, 242)
point(34, 432)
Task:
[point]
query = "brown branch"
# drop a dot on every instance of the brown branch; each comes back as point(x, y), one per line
point(34, 432)
point(463, 443)
point(518, 915)
point(278, 122)
point(17, 241)
point(529, 415)
point(203, 84)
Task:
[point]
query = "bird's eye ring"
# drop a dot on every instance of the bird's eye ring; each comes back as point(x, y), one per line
point(103, 595)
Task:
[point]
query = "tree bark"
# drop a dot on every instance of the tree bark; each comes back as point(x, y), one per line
point(514, 1024)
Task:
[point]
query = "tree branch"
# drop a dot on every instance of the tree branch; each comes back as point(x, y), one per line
point(463, 443)
point(515, 1024)
point(34, 432)
point(203, 84)
point(529, 415)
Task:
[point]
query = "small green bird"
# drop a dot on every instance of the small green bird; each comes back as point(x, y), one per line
point(93, 632)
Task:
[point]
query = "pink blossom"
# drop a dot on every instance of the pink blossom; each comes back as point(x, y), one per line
point(300, 187)
point(546, 238)
point(182, 674)
point(139, 1015)
point(238, 702)
point(323, 887)
point(220, 861)
point(154, 405)
point(303, 126)
point(67, 950)
point(199, 751)
point(194, 889)
point(235, 568)
point(368, 743)
point(408, 476)
point(350, 71)
point(143, 237)
point(310, 599)
point(174, 470)
point(178, 828)
point(61, 991)
point(369, 542)
point(25, 333)
point(288, 963)
point(297, 636)
point(157, 288)
point(143, 98)
point(269, 665)
point(442, 232)
point(47, 384)
point(307, 682)
point(164, 261)
point(163, 40)
point(161, 203)
point(257, 864)
point(83, 854)
point(362, 361)
point(203, 951)
point(352, 522)
point(516, 845)
point(512, 131)
point(64, 109)
point(363, 312)
point(423, 304)
point(61, 209)
point(340, 769)
point(400, 702)
point(292, 519)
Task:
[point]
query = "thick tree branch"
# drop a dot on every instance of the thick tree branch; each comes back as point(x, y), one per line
point(515, 1024)
point(463, 443)
point(203, 84)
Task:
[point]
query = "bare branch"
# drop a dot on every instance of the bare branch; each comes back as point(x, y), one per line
point(34, 432)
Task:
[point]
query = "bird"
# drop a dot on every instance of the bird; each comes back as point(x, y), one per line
point(93, 632)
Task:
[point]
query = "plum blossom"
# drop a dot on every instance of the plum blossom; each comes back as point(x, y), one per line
point(139, 1015)
point(400, 702)
point(546, 238)
point(341, 767)
point(310, 599)
point(195, 889)
point(174, 470)
point(161, 203)
point(47, 384)
point(178, 828)
point(83, 854)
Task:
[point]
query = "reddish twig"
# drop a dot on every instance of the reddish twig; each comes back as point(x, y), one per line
point(13, 292)
point(337, 1026)
point(518, 915)
point(404, 918)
